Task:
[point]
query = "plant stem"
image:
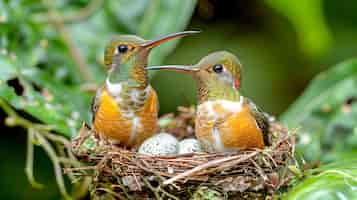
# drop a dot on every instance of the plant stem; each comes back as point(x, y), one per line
point(80, 15)
point(41, 133)
point(56, 164)
point(29, 160)
point(57, 21)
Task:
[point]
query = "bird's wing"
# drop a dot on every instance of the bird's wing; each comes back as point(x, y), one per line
point(262, 119)
point(96, 102)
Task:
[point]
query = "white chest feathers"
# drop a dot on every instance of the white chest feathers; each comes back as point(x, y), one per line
point(128, 96)
point(134, 97)
point(113, 88)
point(213, 109)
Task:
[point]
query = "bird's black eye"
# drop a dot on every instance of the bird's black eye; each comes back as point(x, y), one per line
point(122, 48)
point(218, 68)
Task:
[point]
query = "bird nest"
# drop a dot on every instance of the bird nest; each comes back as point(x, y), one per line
point(125, 174)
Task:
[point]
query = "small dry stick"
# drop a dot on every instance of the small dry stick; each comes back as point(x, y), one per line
point(165, 193)
point(212, 163)
point(154, 190)
point(260, 170)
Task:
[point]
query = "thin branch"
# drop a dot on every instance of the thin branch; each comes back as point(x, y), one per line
point(57, 21)
point(40, 132)
point(16, 120)
point(110, 192)
point(57, 138)
point(154, 190)
point(67, 161)
point(78, 16)
point(56, 164)
point(123, 188)
point(212, 163)
point(29, 160)
point(259, 169)
point(84, 13)
point(271, 158)
point(81, 190)
point(62, 140)
point(89, 87)
point(164, 192)
point(9, 111)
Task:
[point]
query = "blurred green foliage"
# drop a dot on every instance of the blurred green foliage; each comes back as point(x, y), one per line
point(325, 118)
point(326, 114)
point(336, 181)
point(308, 19)
point(51, 50)
point(42, 53)
point(48, 104)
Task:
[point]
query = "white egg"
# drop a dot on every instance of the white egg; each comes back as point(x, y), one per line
point(162, 144)
point(189, 145)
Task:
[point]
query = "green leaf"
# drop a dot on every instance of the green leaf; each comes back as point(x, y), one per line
point(7, 71)
point(337, 181)
point(42, 62)
point(324, 118)
point(324, 85)
point(307, 17)
point(48, 101)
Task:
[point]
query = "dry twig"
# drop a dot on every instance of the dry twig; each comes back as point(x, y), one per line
point(178, 175)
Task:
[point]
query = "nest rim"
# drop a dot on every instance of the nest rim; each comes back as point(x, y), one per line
point(258, 169)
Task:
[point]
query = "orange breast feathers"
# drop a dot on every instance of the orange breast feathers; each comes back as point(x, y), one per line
point(241, 131)
point(224, 130)
point(129, 131)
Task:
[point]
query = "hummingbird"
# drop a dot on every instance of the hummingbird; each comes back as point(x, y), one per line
point(225, 120)
point(125, 108)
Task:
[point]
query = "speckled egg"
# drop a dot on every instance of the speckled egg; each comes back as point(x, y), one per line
point(162, 144)
point(189, 145)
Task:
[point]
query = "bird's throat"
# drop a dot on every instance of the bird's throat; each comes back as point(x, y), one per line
point(133, 74)
point(211, 92)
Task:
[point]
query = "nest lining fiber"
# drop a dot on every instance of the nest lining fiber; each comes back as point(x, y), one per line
point(125, 174)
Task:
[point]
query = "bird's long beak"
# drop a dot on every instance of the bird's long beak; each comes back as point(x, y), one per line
point(179, 68)
point(153, 43)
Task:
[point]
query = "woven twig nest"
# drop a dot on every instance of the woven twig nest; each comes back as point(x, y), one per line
point(126, 174)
